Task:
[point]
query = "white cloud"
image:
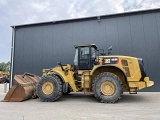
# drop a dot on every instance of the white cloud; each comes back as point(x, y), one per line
point(3, 2)
point(40, 7)
point(132, 5)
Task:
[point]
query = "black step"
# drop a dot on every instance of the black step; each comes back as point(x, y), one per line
point(133, 90)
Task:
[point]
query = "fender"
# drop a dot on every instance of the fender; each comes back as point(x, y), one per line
point(99, 66)
point(60, 74)
point(67, 78)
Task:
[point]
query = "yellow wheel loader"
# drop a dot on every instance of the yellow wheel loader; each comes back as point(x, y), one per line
point(107, 76)
point(4, 74)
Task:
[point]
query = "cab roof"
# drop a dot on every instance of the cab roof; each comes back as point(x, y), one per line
point(86, 45)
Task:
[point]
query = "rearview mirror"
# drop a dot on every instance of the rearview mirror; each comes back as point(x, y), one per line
point(109, 50)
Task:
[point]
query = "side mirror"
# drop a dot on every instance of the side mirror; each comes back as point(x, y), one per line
point(109, 50)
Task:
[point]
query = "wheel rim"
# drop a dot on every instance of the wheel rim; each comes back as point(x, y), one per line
point(107, 88)
point(47, 88)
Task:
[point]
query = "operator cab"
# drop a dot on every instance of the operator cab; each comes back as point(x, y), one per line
point(85, 56)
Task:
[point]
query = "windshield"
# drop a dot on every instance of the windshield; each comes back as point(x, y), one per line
point(84, 53)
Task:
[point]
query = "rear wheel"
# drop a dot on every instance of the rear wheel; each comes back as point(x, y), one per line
point(107, 87)
point(49, 88)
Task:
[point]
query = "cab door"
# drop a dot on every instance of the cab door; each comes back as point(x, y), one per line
point(84, 58)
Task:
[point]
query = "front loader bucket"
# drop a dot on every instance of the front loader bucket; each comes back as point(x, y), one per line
point(23, 89)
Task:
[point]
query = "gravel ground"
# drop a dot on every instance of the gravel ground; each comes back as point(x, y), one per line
point(77, 106)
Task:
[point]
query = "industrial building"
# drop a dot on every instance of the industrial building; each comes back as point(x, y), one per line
point(41, 45)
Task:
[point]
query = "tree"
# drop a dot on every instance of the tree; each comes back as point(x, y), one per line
point(5, 67)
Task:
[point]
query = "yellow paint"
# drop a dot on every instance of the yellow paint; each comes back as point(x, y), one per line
point(67, 75)
point(47, 88)
point(107, 88)
point(4, 74)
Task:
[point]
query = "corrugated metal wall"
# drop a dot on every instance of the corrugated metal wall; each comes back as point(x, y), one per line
point(43, 45)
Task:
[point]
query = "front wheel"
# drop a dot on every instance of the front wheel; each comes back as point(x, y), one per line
point(49, 88)
point(107, 87)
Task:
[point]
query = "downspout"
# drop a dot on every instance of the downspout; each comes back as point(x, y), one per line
point(12, 57)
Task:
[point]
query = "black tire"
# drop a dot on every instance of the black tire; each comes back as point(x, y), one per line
point(114, 80)
point(55, 94)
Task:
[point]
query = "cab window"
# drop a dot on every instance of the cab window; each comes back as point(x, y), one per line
point(84, 53)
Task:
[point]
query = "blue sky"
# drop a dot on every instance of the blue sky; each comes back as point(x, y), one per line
point(15, 12)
